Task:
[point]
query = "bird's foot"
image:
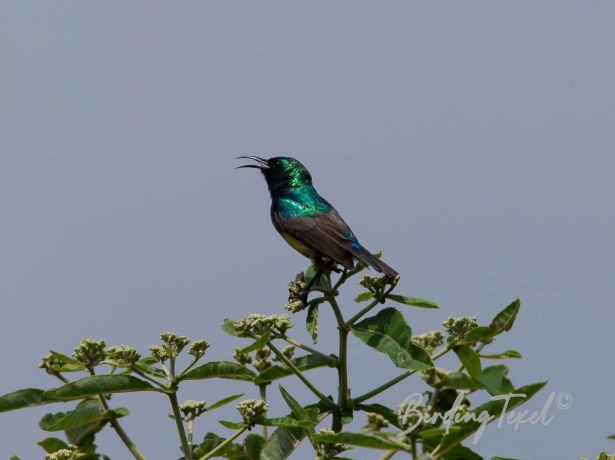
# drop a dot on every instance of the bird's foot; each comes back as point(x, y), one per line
point(332, 267)
point(303, 297)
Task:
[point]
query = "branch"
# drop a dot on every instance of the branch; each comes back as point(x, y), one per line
point(299, 374)
point(396, 380)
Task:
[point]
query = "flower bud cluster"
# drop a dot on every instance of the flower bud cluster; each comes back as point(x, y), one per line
point(457, 327)
point(376, 422)
point(65, 454)
point(174, 343)
point(198, 348)
point(252, 410)
point(90, 352)
point(256, 325)
point(288, 352)
point(434, 374)
point(191, 409)
point(242, 358)
point(409, 413)
point(377, 284)
point(51, 364)
point(172, 346)
point(261, 359)
point(327, 450)
point(124, 355)
point(429, 341)
point(296, 294)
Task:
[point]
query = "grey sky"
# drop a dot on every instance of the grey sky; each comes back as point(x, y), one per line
point(472, 142)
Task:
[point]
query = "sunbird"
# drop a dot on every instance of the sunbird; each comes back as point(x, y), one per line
point(308, 222)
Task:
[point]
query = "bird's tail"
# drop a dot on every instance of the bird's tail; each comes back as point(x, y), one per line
point(368, 258)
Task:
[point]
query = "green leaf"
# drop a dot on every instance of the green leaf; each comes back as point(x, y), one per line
point(311, 322)
point(412, 301)
point(84, 436)
point(505, 319)
point(229, 327)
point(232, 425)
point(458, 381)
point(83, 414)
point(222, 370)
point(384, 411)
point(27, 397)
point(462, 453)
point(224, 401)
point(477, 334)
point(460, 431)
point(282, 442)
point(389, 333)
point(502, 322)
point(257, 344)
point(504, 355)
point(69, 364)
point(358, 439)
point(253, 446)
point(296, 409)
point(470, 359)
point(51, 445)
point(503, 458)
point(364, 296)
point(99, 384)
point(210, 442)
point(494, 379)
point(145, 367)
point(611, 437)
point(322, 284)
point(458, 452)
point(287, 422)
point(14, 457)
point(303, 363)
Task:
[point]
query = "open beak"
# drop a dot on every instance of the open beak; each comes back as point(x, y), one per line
point(262, 163)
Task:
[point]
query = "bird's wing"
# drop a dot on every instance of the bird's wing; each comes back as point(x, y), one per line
point(326, 233)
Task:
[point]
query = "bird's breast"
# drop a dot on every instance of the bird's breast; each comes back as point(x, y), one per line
point(301, 202)
point(298, 246)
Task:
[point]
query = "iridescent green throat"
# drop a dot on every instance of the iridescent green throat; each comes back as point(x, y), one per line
point(301, 201)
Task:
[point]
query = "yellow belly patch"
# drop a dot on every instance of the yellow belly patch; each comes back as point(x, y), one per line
point(298, 246)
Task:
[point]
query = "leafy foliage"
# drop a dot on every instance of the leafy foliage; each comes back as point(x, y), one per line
point(408, 428)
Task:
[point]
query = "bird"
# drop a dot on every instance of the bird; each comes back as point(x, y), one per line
point(308, 222)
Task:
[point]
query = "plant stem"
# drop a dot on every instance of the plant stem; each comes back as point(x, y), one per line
point(396, 380)
point(120, 431)
point(387, 455)
point(224, 444)
point(299, 374)
point(115, 424)
point(263, 392)
point(186, 447)
point(342, 365)
point(307, 348)
point(372, 304)
point(336, 311)
point(188, 367)
point(343, 369)
point(151, 379)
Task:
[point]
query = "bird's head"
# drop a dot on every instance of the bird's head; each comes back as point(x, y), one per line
point(281, 173)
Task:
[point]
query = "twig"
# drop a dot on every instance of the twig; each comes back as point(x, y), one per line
point(224, 443)
point(299, 374)
point(399, 378)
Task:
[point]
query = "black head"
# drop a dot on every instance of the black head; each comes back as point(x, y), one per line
point(281, 173)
